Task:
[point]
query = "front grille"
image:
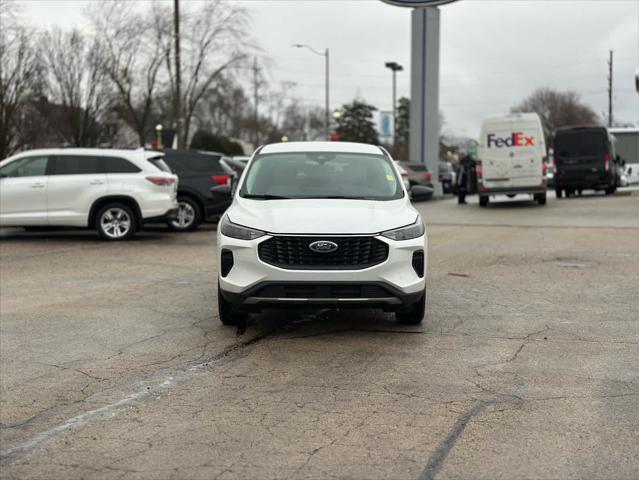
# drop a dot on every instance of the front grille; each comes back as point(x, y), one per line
point(303, 290)
point(353, 253)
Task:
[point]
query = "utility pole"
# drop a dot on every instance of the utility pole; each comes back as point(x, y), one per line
point(327, 121)
point(610, 90)
point(256, 71)
point(327, 113)
point(178, 92)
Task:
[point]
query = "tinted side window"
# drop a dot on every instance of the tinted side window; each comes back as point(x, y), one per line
point(193, 162)
point(580, 144)
point(118, 165)
point(75, 165)
point(160, 164)
point(25, 167)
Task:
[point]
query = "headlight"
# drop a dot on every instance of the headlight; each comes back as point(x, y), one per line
point(232, 230)
point(409, 232)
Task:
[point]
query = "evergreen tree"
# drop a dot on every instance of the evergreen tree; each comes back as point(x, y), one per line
point(356, 124)
point(402, 129)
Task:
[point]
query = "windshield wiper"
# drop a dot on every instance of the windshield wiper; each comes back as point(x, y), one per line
point(343, 197)
point(264, 197)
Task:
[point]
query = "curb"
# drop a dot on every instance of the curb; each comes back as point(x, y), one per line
point(627, 193)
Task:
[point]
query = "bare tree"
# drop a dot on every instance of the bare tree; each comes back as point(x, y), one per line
point(134, 54)
point(225, 109)
point(214, 40)
point(303, 122)
point(294, 123)
point(19, 77)
point(78, 82)
point(556, 109)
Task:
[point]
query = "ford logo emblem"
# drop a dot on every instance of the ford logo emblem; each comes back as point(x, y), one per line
point(323, 246)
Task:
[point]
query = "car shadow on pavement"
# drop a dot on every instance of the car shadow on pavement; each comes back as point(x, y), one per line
point(588, 195)
point(509, 204)
point(294, 323)
point(162, 228)
point(46, 234)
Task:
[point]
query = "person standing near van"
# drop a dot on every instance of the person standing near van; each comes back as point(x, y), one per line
point(463, 176)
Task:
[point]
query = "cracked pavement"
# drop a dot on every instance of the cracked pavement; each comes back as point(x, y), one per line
point(114, 364)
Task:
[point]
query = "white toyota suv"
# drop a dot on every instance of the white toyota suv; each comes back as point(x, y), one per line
point(315, 224)
point(113, 191)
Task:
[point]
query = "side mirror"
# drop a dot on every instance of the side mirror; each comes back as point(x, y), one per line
point(221, 193)
point(419, 192)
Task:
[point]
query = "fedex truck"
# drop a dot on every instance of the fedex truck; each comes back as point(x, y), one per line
point(512, 157)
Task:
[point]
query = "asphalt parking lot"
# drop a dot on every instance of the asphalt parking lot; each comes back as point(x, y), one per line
point(114, 365)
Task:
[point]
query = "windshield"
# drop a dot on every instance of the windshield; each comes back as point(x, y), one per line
point(580, 144)
point(321, 175)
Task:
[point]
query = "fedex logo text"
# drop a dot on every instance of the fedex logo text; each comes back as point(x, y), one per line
point(516, 140)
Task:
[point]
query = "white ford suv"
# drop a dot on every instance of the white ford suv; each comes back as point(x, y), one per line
point(314, 224)
point(113, 191)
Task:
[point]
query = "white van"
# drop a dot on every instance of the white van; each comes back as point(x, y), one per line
point(627, 148)
point(512, 157)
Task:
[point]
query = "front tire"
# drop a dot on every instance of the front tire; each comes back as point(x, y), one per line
point(189, 215)
point(558, 192)
point(611, 190)
point(116, 222)
point(483, 200)
point(228, 315)
point(415, 315)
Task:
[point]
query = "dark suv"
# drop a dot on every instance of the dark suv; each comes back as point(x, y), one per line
point(584, 159)
point(197, 172)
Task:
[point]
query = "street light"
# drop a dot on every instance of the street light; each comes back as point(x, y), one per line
point(395, 67)
point(327, 121)
point(158, 133)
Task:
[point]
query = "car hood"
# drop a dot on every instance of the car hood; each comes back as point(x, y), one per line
point(329, 216)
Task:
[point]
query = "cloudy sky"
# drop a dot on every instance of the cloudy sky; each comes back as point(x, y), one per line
point(493, 53)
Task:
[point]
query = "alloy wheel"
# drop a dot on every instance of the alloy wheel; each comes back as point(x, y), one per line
point(185, 216)
point(115, 222)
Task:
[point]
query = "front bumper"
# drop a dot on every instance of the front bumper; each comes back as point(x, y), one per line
point(253, 283)
point(323, 294)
